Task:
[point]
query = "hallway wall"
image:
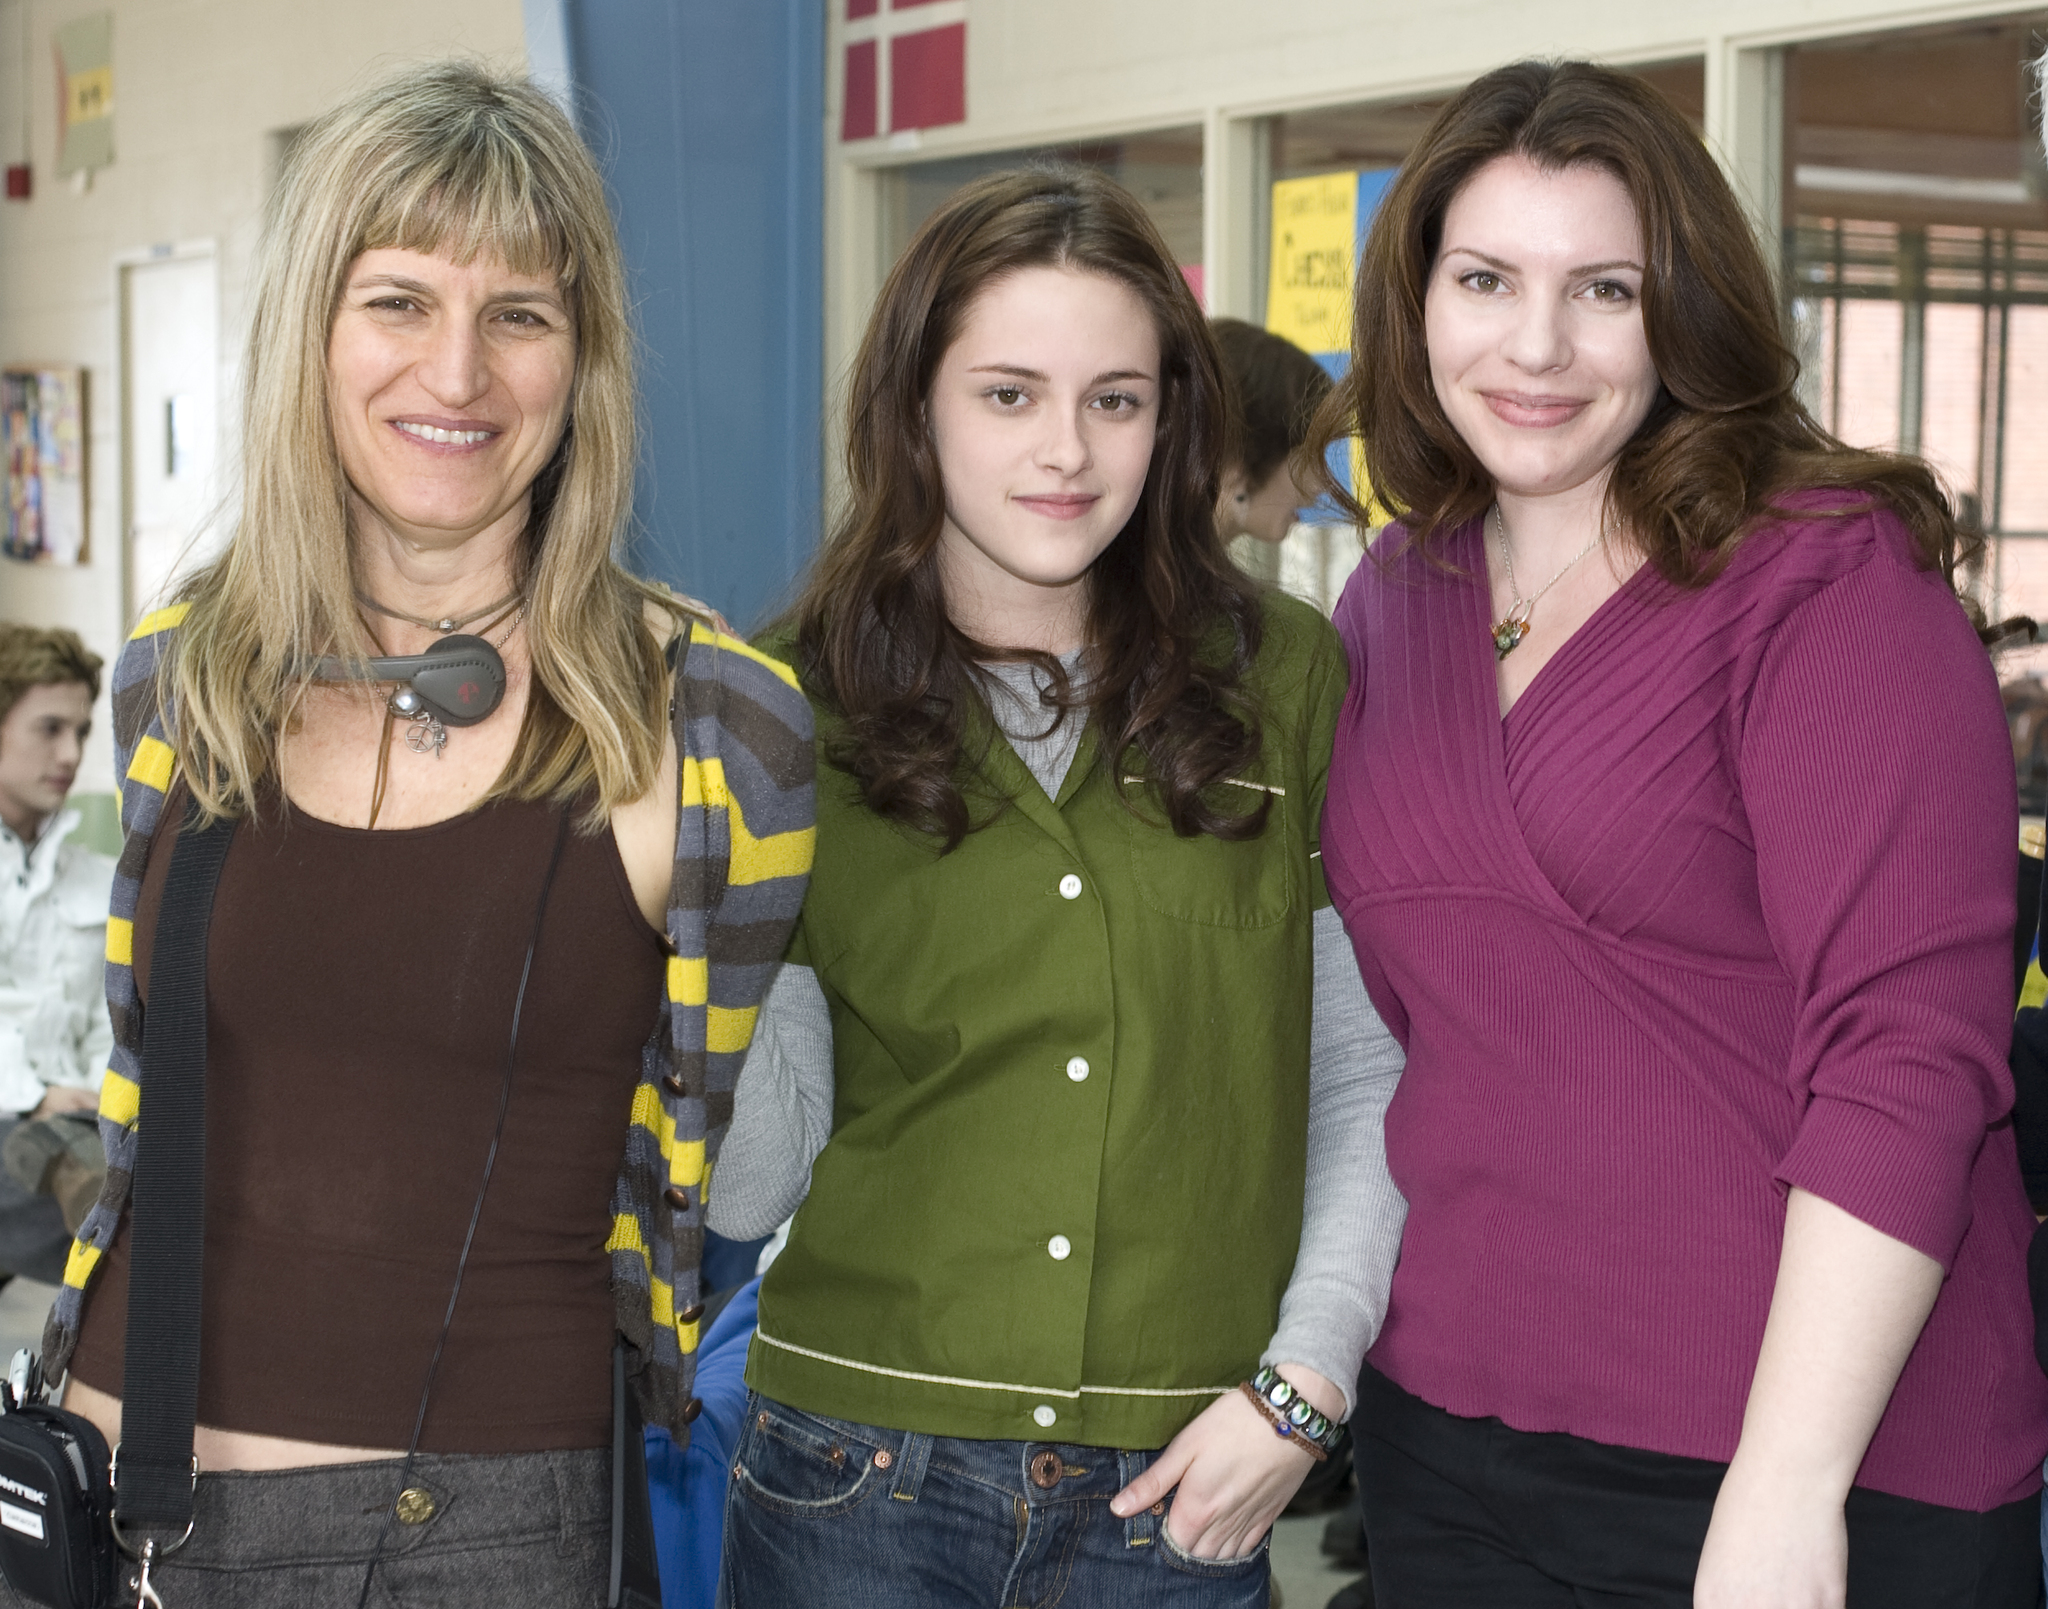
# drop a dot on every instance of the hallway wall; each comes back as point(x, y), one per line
point(202, 90)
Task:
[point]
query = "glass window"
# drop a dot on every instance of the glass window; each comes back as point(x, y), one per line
point(1917, 265)
point(1163, 169)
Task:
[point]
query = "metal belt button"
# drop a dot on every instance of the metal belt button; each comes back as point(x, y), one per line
point(416, 1506)
point(1046, 1469)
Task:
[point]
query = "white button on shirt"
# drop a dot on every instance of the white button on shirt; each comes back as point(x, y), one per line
point(1077, 1069)
point(1044, 1415)
point(1061, 1248)
point(1070, 887)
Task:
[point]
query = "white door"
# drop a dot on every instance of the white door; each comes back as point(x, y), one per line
point(170, 344)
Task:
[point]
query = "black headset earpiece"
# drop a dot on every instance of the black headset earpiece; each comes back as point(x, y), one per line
point(458, 681)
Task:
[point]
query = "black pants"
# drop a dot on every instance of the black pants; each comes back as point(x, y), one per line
point(1461, 1513)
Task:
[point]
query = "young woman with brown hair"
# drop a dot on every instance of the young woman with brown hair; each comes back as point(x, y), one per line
point(1065, 991)
point(1672, 814)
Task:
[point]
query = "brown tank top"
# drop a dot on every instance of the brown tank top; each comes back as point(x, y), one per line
point(359, 1001)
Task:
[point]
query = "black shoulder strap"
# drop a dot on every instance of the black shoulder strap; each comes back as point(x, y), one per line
point(636, 1571)
point(160, 1383)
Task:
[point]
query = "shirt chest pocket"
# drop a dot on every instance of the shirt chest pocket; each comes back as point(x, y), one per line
point(80, 917)
point(1215, 882)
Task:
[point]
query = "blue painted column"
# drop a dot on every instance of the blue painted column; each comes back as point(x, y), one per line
point(707, 117)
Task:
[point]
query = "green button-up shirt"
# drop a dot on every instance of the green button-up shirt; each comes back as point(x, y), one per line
point(1063, 1191)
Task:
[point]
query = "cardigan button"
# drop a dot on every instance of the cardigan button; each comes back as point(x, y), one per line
point(676, 1196)
point(1070, 887)
point(673, 1084)
point(691, 1314)
point(1077, 1069)
point(1060, 1247)
point(692, 1408)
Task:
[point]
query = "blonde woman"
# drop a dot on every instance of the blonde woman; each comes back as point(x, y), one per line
point(438, 431)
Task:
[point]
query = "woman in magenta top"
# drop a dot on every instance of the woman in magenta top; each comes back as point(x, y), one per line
point(1672, 817)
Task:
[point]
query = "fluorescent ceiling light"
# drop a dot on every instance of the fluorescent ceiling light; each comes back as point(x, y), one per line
point(1931, 186)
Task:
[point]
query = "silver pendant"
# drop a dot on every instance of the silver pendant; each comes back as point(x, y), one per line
point(425, 734)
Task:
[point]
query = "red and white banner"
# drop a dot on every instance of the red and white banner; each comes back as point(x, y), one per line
point(906, 66)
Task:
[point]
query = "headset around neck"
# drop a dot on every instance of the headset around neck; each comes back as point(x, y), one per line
point(458, 680)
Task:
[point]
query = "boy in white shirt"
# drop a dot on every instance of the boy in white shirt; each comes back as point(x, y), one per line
point(55, 1037)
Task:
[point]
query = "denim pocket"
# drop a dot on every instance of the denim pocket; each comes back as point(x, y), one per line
point(800, 1466)
point(1178, 1558)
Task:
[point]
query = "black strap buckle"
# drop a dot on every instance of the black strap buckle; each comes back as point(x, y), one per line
point(149, 1549)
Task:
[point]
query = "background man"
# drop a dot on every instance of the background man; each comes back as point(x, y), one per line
point(54, 1034)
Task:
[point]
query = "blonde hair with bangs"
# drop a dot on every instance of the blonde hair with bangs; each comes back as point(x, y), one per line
point(458, 161)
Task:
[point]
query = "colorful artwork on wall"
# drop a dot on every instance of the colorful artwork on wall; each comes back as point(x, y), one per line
point(42, 426)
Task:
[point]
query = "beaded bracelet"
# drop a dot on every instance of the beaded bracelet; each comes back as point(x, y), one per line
point(1291, 1414)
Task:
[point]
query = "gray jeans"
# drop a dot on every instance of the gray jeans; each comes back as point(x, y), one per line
point(476, 1531)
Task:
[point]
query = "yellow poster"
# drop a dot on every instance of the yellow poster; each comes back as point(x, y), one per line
point(1308, 288)
point(85, 66)
point(88, 95)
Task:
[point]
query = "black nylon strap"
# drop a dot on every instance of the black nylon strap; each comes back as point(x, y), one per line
point(635, 1573)
point(160, 1381)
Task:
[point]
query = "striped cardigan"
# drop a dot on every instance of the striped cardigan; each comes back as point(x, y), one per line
point(744, 838)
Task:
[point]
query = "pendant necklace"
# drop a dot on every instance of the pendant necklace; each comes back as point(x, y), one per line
point(1512, 627)
point(424, 732)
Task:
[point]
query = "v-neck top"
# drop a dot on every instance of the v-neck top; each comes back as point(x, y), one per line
point(1722, 906)
point(1063, 1191)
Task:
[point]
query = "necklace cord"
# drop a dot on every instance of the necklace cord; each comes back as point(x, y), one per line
point(383, 769)
point(446, 623)
point(1515, 599)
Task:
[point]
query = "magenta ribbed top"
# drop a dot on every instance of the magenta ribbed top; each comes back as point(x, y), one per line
point(1723, 905)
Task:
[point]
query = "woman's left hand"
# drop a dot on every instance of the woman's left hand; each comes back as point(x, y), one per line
point(1233, 1474)
point(1773, 1544)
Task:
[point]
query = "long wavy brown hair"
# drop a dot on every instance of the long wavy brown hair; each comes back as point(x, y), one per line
point(1172, 626)
point(1727, 435)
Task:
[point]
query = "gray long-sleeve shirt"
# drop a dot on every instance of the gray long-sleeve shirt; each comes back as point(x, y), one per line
point(1352, 1215)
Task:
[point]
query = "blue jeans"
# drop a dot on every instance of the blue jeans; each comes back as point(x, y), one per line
point(833, 1515)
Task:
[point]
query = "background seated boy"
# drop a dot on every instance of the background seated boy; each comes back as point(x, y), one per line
point(55, 1037)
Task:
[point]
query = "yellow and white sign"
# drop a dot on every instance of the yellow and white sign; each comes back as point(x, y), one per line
point(85, 67)
point(1308, 286)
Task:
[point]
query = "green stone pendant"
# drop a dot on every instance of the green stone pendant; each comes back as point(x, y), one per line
point(1508, 635)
